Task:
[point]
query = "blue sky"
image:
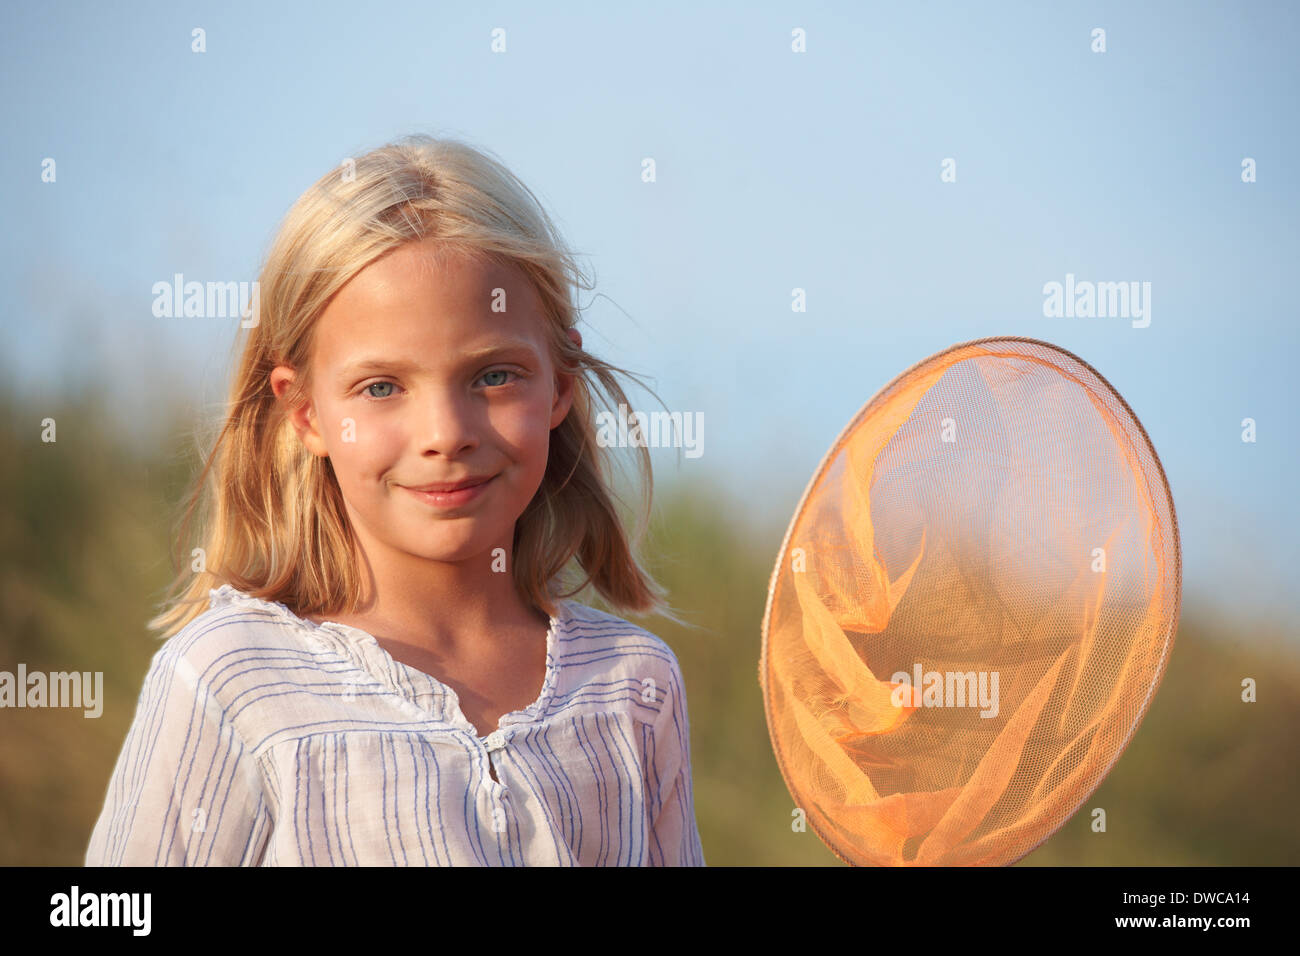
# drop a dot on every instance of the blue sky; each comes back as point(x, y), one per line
point(775, 170)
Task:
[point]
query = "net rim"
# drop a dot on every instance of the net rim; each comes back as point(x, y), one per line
point(1168, 638)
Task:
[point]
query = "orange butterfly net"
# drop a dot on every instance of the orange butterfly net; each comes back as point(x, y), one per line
point(971, 610)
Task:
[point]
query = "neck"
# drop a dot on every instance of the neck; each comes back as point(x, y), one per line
point(443, 606)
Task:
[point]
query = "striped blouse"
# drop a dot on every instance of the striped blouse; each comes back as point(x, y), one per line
point(263, 739)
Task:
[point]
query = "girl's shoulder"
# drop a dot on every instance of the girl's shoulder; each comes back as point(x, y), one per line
point(586, 623)
point(234, 627)
point(599, 642)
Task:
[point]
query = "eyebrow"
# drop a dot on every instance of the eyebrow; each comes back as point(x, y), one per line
point(379, 363)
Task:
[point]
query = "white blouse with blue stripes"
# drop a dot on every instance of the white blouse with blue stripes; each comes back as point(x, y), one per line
point(263, 739)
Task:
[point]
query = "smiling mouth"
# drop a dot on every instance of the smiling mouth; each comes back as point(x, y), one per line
point(452, 486)
point(454, 498)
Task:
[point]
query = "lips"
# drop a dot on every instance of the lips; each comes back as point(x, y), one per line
point(442, 487)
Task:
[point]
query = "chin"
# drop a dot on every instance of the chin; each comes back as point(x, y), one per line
point(450, 550)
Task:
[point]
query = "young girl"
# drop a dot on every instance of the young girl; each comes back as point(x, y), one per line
point(352, 668)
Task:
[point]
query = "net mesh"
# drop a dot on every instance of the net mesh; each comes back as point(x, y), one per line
point(996, 526)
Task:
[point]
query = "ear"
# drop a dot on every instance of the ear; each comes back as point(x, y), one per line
point(564, 385)
point(302, 416)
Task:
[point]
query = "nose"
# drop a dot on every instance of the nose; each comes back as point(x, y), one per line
point(449, 424)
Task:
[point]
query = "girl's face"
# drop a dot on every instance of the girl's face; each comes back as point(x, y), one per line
point(433, 368)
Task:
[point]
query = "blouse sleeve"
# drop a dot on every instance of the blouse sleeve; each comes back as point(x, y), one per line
point(675, 840)
point(186, 791)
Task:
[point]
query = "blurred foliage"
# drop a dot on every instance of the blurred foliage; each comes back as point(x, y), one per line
point(87, 526)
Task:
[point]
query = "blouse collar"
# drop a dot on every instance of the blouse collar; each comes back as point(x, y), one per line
point(422, 690)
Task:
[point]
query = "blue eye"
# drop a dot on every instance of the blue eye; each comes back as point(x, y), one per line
point(368, 390)
point(499, 371)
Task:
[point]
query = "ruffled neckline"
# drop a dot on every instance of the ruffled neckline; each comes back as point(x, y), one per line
point(400, 678)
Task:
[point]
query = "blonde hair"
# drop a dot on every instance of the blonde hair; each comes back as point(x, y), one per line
point(272, 518)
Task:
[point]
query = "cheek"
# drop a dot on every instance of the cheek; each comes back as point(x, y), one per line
point(361, 446)
point(525, 429)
